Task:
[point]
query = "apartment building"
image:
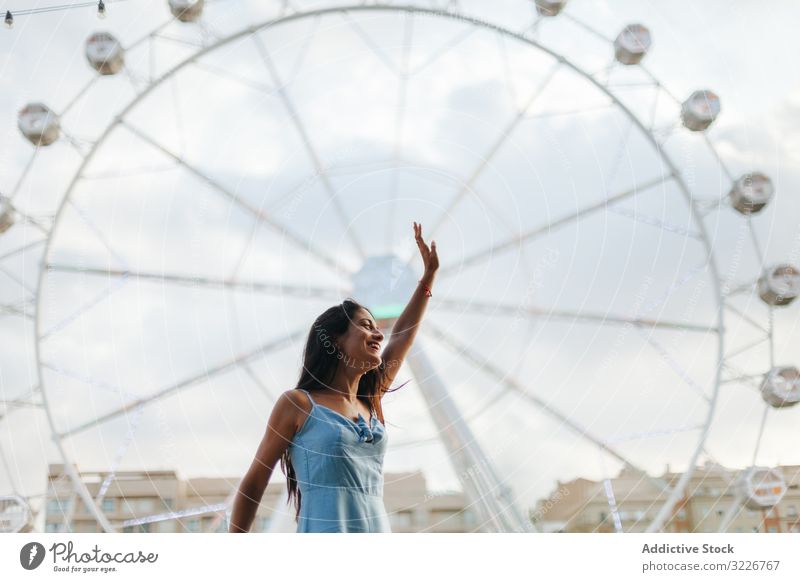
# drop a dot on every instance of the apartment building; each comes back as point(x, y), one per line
point(161, 502)
point(630, 501)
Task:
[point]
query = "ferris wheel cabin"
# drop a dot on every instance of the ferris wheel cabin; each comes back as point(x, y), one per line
point(700, 110)
point(781, 387)
point(38, 124)
point(632, 44)
point(779, 285)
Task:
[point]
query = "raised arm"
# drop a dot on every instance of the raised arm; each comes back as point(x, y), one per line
point(405, 328)
point(281, 428)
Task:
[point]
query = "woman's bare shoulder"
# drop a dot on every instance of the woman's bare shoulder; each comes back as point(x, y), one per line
point(295, 403)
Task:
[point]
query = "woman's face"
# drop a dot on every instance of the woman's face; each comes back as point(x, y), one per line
point(362, 342)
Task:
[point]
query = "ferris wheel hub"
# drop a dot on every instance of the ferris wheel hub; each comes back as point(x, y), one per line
point(384, 284)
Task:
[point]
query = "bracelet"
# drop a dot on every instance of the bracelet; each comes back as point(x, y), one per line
point(427, 289)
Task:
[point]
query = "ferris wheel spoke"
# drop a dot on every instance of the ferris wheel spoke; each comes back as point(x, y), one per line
point(97, 232)
point(652, 433)
point(66, 320)
point(371, 44)
point(501, 46)
point(467, 305)
point(508, 130)
point(548, 228)
point(301, 57)
point(119, 455)
point(264, 349)
point(19, 403)
point(719, 159)
point(276, 289)
point(287, 7)
point(754, 238)
point(590, 29)
point(746, 347)
point(363, 167)
point(171, 515)
point(746, 317)
point(256, 380)
point(133, 172)
point(706, 206)
point(488, 367)
point(256, 212)
point(226, 74)
point(23, 175)
point(16, 311)
point(17, 280)
point(35, 222)
point(760, 434)
point(549, 114)
point(739, 289)
point(440, 52)
point(83, 90)
point(657, 222)
point(179, 41)
point(676, 367)
point(399, 121)
point(307, 143)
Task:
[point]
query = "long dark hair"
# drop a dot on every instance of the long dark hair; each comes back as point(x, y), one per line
point(321, 358)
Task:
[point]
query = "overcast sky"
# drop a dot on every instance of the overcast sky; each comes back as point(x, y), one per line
point(223, 117)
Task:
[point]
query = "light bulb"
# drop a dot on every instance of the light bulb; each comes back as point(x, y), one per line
point(101, 9)
point(9, 19)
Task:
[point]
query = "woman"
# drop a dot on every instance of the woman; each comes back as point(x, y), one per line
point(333, 457)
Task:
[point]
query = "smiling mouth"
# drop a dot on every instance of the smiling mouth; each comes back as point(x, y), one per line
point(374, 346)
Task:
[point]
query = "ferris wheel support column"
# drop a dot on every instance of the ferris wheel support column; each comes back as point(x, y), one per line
point(494, 499)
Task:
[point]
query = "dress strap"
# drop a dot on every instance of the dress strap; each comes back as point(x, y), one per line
point(309, 397)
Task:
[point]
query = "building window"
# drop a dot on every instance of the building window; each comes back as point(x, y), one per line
point(602, 516)
point(681, 513)
point(108, 505)
point(441, 515)
point(791, 511)
point(167, 526)
point(52, 527)
point(193, 525)
point(401, 518)
point(469, 517)
point(143, 505)
point(58, 506)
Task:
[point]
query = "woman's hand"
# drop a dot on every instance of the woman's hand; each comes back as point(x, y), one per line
point(429, 257)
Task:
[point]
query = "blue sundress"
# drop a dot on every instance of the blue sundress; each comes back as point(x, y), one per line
point(338, 465)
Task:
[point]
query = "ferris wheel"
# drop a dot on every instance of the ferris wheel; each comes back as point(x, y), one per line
point(236, 185)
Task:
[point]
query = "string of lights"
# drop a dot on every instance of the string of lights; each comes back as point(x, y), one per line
point(99, 4)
